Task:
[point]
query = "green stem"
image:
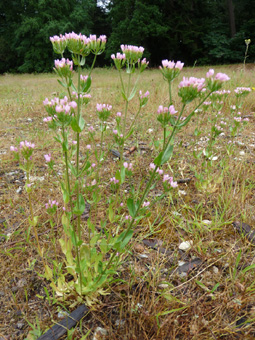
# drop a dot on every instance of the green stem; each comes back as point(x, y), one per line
point(93, 64)
point(170, 92)
point(78, 152)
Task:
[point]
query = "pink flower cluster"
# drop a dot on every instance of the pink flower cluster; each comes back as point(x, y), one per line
point(118, 56)
point(78, 43)
point(169, 109)
point(63, 63)
point(27, 145)
point(128, 50)
point(104, 107)
point(146, 94)
point(222, 77)
point(47, 119)
point(166, 178)
point(241, 90)
point(60, 105)
point(83, 78)
point(13, 148)
point(198, 83)
point(51, 204)
point(171, 64)
point(222, 92)
point(128, 166)
point(85, 96)
point(114, 180)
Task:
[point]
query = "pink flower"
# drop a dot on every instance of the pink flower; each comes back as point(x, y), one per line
point(167, 178)
point(152, 166)
point(47, 158)
point(105, 107)
point(179, 65)
point(88, 147)
point(160, 171)
point(114, 180)
point(174, 184)
point(94, 182)
point(221, 77)
point(115, 132)
point(146, 204)
point(118, 114)
point(12, 148)
point(73, 104)
point(210, 73)
point(146, 94)
point(172, 110)
point(125, 164)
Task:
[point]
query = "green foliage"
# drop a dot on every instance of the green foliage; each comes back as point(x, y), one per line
point(192, 30)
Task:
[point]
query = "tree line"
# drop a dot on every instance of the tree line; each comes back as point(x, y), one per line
point(194, 31)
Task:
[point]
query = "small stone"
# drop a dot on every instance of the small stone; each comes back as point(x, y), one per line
point(215, 269)
point(163, 285)
point(20, 325)
point(207, 222)
point(100, 333)
point(19, 190)
point(186, 245)
point(62, 313)
point(22, 282)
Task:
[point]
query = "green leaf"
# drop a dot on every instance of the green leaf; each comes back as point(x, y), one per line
point(87, 85)
point(75, 125)
point(65, 146)
point(167, 154)
point(72, 168)
point(122, 242)
point(124, 95)
point(111, 214)
point(81, 123)
point(129, 133)
point(122, 175)
point(58, 139)
point(157, 160)
point(131, 207)
point(132, 94)
point(248, 268)
point(79, 208)
point(104, 246)
point(62, 84)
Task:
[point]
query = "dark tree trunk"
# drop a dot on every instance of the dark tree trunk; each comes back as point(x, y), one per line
point(231, 17)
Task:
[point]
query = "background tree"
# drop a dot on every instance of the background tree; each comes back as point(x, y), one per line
point(194, 31)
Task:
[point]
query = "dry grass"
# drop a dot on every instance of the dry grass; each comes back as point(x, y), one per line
point(152, 297)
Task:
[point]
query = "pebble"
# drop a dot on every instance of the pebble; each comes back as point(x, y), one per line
point(186, 245)
point(208, 222)
point(100, 333)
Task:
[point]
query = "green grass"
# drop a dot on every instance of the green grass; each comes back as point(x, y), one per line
point(150, 298)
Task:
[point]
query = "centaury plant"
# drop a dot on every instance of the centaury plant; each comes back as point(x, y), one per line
point(93, 255)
